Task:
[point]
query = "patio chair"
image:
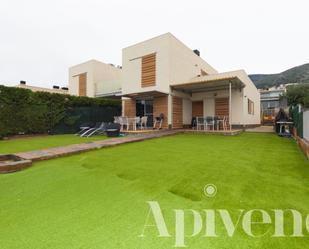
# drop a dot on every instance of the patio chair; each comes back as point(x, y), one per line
point(117, 120)
point(100, 130)
point(137, 122)
point(209, 121)
point(193, 123)
point(159, 120)
point(88, 131)
point(223, 122)
point(143, 123)
point(83, 128)
point(123, 121)
point(199, 123)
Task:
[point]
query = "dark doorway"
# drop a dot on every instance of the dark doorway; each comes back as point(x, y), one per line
point(145, 108)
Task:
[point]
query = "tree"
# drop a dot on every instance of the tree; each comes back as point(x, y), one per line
point(298, 94)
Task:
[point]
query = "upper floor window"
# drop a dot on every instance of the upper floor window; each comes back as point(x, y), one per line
point(250, 107)
point(149, 70)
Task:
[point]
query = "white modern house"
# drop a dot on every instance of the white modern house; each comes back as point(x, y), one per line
point(95, 79)
point(163, 76)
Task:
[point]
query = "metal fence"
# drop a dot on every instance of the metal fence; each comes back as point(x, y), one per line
point(297, 116)
point(306, 124)
point(77, 116)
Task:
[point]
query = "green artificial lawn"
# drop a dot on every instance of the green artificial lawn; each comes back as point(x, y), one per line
point(43, 142)
point(98, 199)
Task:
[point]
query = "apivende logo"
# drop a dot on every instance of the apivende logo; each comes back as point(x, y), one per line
point(274, 222)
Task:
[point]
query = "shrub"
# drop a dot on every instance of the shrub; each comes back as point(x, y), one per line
point(298, 94)
point(24, 111)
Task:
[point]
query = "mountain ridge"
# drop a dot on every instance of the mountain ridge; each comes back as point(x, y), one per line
point(298, 74)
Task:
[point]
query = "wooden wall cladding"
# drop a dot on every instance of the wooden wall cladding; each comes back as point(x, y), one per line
point(177, 112)
point(160, 106)
point(197, 109)
point(129, 108)
point(222, 106)
point(82, 84)
point(149, 70)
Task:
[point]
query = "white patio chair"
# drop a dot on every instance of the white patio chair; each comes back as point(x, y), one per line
point(209, 121)
point(88, 131)
point(117, 120)
point(124, 122)
point(137, 122)
point(222, 121)
point(158, 120)
point(225, 122)
point(100, 130)
point(143, 123)
point(199, 123)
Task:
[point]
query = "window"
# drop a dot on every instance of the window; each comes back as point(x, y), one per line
point(250, 107)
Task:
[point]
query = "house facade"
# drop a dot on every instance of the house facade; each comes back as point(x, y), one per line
point(95, 79)
point(162, 75)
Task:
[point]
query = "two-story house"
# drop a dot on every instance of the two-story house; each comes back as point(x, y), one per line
point(162, 75)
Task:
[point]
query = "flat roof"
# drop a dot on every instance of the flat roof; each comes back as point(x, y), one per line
point(143, 95)
point(212, 82)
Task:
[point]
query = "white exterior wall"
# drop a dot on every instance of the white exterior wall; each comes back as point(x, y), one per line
point(107, 78)
point(184, 63)
point(131, 64)
point(306, 125)
point(74, 73)
point(250, 92)
point(174, 62)
point(101, 78)
point(186, 111)
point(209, 103)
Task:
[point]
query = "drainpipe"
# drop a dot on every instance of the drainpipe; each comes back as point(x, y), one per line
point(230, 105)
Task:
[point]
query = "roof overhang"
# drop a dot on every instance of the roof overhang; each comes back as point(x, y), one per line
point(207, 84)
point(145, 95)
point(115, 94)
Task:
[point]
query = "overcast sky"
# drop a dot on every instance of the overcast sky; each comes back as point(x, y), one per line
point(40, 39)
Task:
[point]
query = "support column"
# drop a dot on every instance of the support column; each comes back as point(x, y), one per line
point(230, 105)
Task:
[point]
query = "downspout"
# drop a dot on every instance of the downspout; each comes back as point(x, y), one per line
point(230, 105)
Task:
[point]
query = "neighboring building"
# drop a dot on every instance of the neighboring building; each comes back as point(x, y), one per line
point(271, 102)
point(55, 89)
point(95, 79)
point(162, 75)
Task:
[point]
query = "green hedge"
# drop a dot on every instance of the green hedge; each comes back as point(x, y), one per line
point(24, 111)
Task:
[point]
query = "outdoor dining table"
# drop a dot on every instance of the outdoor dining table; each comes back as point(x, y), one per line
point(133, 121)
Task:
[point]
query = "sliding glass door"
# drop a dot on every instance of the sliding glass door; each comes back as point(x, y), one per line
point(145, 108)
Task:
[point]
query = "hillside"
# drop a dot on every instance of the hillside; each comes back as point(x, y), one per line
point(293, 75)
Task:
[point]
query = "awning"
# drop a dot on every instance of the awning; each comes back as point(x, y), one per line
point(213, 82)
point(145, 95)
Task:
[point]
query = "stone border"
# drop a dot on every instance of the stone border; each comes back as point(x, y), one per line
point(11, 163)
point(303, 145)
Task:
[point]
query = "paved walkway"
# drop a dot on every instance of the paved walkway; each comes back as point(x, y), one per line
point(78, 148)
point(263, 128)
